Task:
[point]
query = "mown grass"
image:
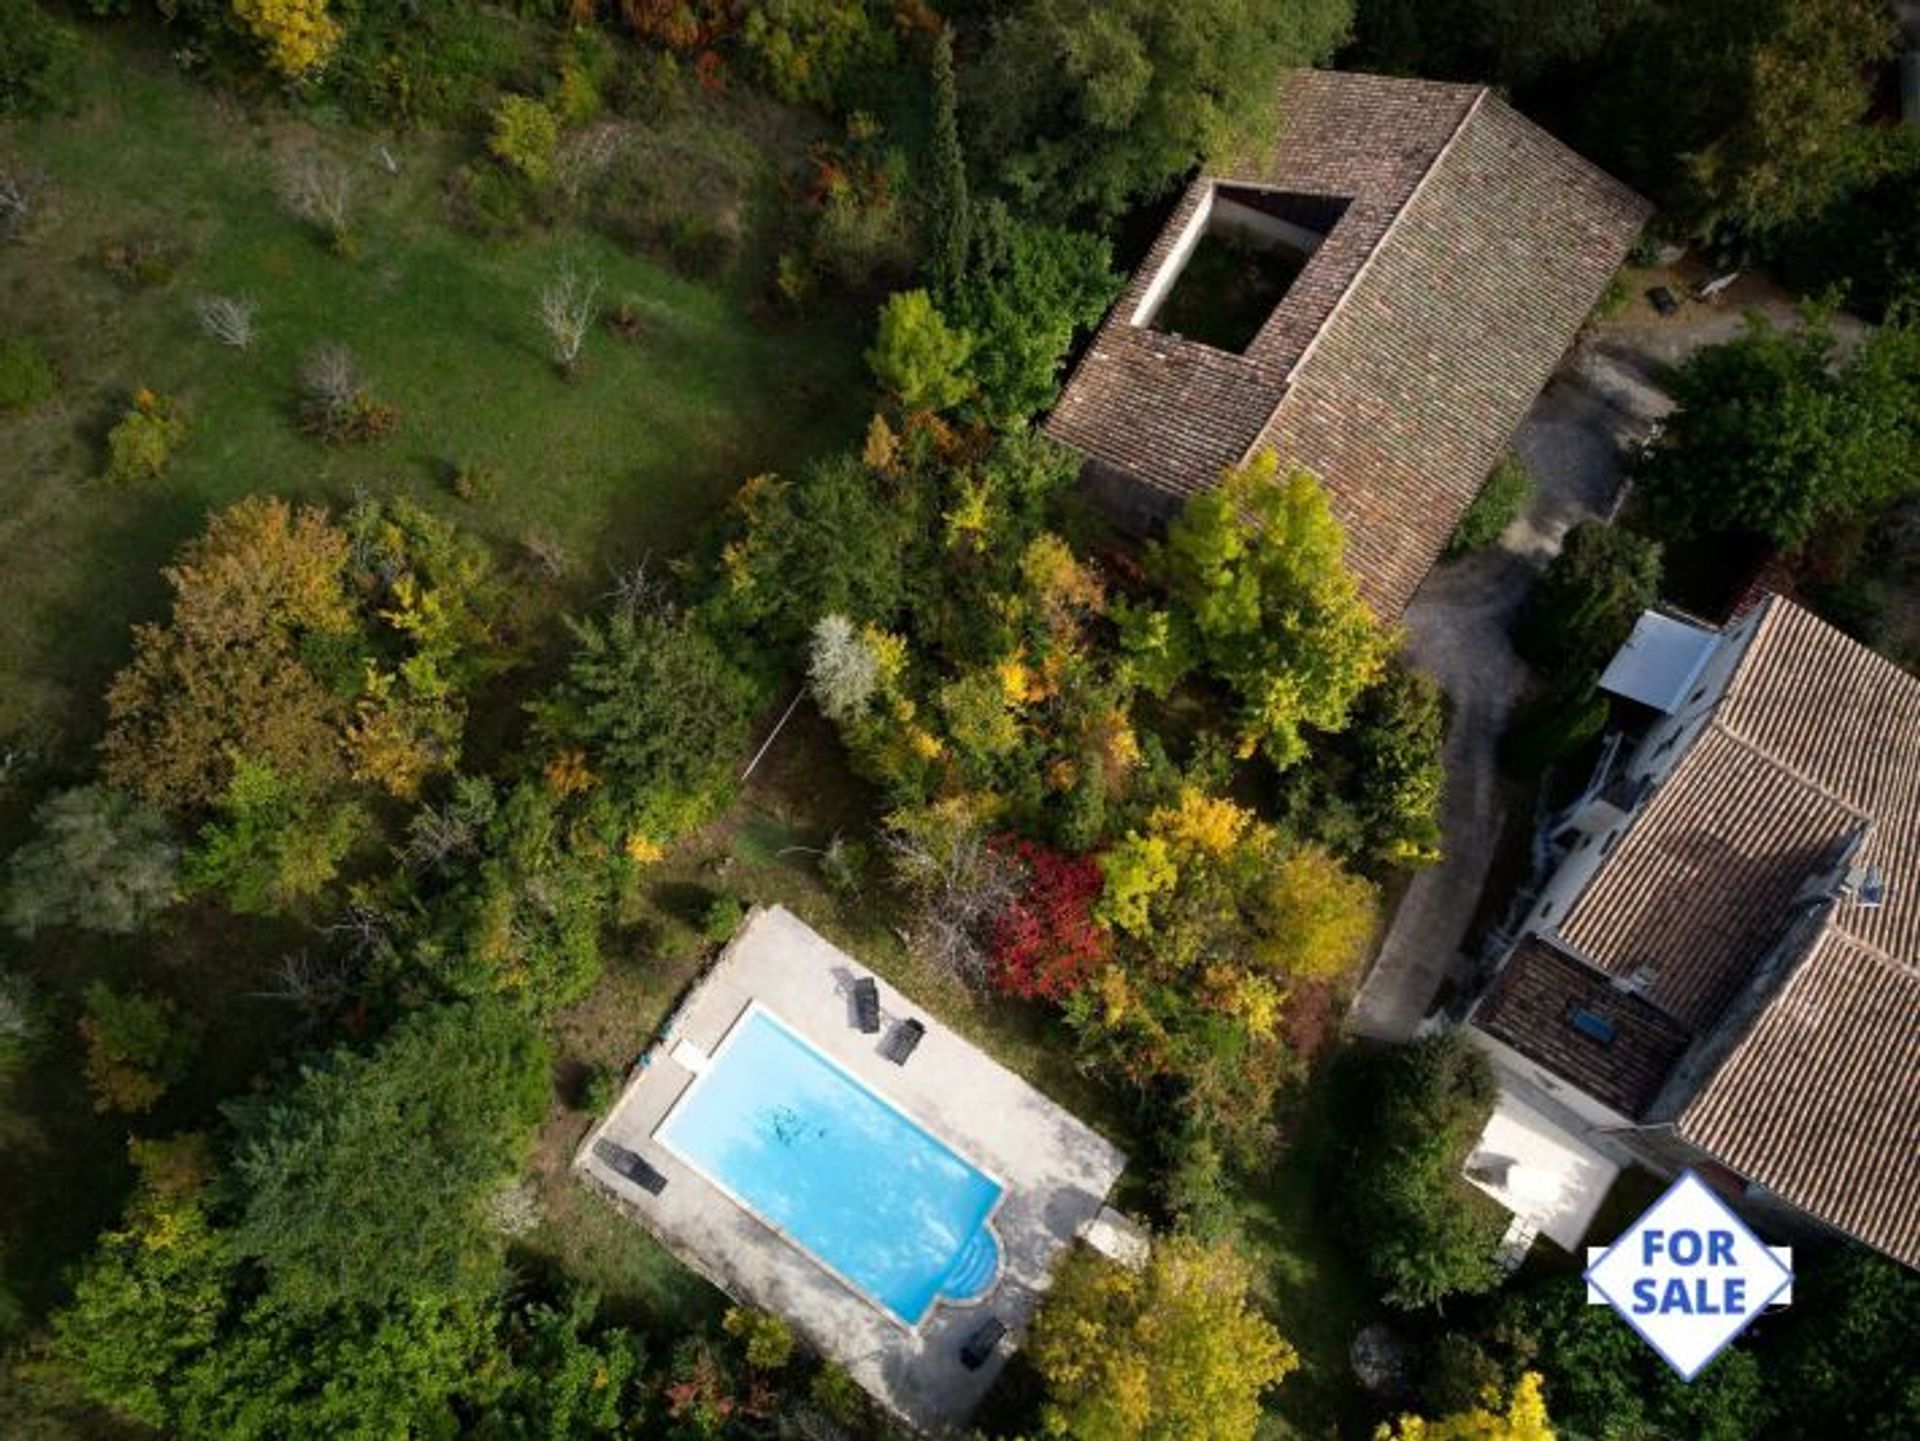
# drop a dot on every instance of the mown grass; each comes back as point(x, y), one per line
point(632, 458)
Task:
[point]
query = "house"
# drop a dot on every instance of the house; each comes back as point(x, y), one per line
point(1378, 294)
point(1722, 969)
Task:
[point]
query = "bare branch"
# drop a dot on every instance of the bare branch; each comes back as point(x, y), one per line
point(227, 319)
point(21, 186)
point(318, 190)
point(567, 309)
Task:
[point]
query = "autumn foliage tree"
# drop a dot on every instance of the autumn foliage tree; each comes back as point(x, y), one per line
point(1522, 1416)
point(299, 36)
point(225, 676)
point(1172, 1352)
point(1046, 943)
point(1260, 596)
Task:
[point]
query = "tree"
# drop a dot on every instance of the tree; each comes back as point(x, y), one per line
point(802, 49)
point(224, 677)
point(524, 136)
point(1173, 1352)
point(948, 216)
point(917, 355)
point(959, 882)
point(1091, 105)
point(1023, 313)
point(153, 1295)
point(568, 1378)
point(1260, 593)
point(276, 842)
point(1584, 606)
point(1794, 141)
point(1602, 1381)
point(567, 309)
point(837, 540)
point(137, 1047)
point(365, 1180)
point(299, 36)
point(843, 670)
point(659, 707)
point(1523, 1417)
point(1373, 793)
point(1417, 1227)
point(99, 860)
point(1046, 943)
point(1841, 1361)
point(1318, 917)
point(36, 65)
point(1775, 435)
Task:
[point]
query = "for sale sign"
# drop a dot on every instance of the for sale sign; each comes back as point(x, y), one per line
point(1689, 1275)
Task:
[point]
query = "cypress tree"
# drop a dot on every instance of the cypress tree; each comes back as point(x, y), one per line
point(948, 217)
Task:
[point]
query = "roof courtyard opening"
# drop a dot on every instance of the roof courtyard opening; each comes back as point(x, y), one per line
point(1235, 262)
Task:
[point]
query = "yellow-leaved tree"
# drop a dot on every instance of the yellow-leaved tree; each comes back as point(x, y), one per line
point(1524, 1418)
point(1261, 597)
point(1171, 1352)
point(299, 35)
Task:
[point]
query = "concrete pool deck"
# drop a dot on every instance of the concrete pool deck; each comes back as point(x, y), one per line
point(1057, 1170)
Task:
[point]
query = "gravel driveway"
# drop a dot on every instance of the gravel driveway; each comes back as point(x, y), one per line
point(1457, 631)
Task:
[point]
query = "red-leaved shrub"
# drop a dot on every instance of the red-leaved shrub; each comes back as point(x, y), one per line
point(1046, 945)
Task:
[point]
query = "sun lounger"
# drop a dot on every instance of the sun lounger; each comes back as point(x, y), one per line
point(866, 1004)
point(625, 1163)
point(982, 1343)
point(901, 1043)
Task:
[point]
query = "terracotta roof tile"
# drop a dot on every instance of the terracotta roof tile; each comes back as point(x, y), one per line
point(1529, 1007)
point(1820, 1101)
point(1407, 350)
point(1816, 740)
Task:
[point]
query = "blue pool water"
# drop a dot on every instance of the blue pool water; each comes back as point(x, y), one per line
point(894, 1212)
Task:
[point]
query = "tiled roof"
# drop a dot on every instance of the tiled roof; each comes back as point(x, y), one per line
point(1530, 1006)
point(1820, 1100)
point(1815, 742)
point(1700, 885)
point(1407, 350)
point(1814, 737)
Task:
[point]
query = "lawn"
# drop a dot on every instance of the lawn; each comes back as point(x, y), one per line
point(631, 458)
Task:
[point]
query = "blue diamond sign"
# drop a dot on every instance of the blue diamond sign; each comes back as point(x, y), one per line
point(1689, 1275)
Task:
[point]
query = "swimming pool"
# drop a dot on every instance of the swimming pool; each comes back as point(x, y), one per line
point(801, 1144)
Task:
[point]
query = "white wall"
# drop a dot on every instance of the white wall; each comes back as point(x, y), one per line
point(1176, 261)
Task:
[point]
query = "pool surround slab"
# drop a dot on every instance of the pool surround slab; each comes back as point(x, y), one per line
point(1055, 1170)
point(710, 1066)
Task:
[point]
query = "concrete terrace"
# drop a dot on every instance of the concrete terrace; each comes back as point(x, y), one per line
point(1057, 1171)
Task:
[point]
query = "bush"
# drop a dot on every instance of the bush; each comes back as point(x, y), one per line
point(137, 1046)
point(36, 60)
point(27, 376)
point(1505, 494)
point(1554, 725)
point(1585, 604)
point(141, 261)
point(1421, 1232)
point(722, 918)
point(918, 356)
point(766, 1339)
point(524, 136)
point(600, 1090)
point(142, 444)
